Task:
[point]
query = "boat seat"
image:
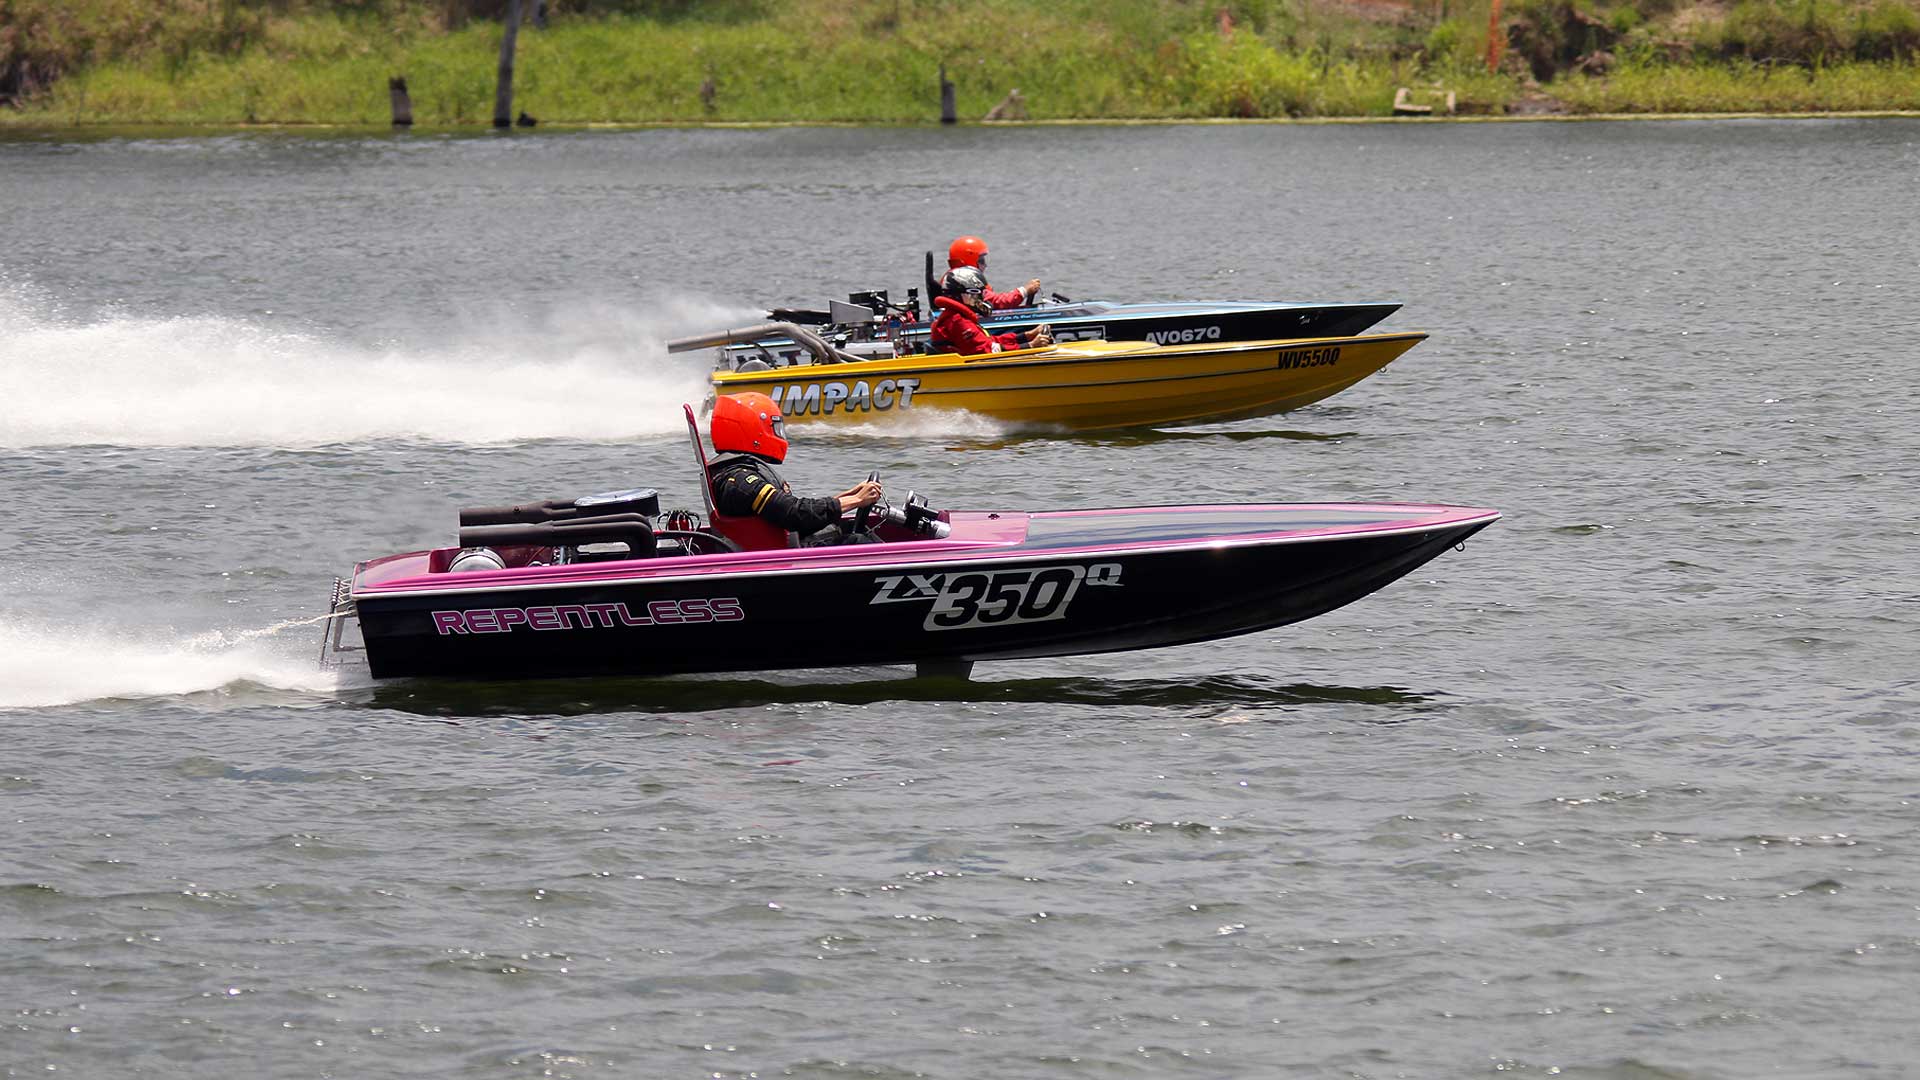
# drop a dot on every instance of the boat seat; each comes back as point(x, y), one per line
point(752, 533)
point(747, 533)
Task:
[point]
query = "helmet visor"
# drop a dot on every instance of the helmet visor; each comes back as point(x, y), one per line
point(779, 425)
point(981, 262)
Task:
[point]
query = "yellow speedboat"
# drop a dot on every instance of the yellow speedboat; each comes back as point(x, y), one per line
point(1082, 385)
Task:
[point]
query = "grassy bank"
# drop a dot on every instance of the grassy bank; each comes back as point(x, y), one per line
point(215, 62)
point(1853, 87)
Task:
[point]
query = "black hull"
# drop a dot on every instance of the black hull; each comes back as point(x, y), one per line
point(1166, 324)
point(1046, 605)
point(1273, 324)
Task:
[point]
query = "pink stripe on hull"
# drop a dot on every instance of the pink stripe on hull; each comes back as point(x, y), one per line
point(407, 573)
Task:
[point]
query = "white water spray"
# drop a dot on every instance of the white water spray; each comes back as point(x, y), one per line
point(918, 424)
point(45, 665)
point(594, 373)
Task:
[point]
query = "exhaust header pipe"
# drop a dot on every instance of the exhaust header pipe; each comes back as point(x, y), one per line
point(633, 530)
point(822, 352)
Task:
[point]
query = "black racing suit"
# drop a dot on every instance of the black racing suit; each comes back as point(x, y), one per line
point(748, 486)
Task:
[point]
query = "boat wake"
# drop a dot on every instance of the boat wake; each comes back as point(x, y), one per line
point(43, 666)
point(594, 372)
point(931, 424)
point(1222, 698)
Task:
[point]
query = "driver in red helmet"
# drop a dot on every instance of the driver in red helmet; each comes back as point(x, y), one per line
point(751, 437)
point(972, 251)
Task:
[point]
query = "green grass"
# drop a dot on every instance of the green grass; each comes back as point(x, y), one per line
point(327, 69)
point(221, 62)
point(1850, 87)
point(333, 69)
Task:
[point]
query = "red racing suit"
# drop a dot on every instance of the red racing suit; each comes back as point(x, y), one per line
point(1000, 301)
point(957, 329)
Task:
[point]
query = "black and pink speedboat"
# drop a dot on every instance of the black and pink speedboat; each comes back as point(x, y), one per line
point(607, 585)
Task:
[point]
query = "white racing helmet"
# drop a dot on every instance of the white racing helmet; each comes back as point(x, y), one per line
point(966, 285)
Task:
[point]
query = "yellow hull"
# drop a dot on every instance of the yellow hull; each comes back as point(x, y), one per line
point(1082, 385)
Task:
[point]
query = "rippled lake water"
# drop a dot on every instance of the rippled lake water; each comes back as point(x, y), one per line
point(1624, 789)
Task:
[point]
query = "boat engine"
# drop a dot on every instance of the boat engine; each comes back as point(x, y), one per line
point(475, 558)
point(628, 525)
point(565, 526)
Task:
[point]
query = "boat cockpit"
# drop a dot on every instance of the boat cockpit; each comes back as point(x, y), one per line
point(621, 525)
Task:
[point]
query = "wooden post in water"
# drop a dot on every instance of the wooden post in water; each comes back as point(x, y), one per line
point(1013, 106)
point(503, 96)
point(402, 104)
point(947, 113)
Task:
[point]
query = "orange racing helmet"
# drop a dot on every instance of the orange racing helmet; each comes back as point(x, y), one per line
point(748, 423)
point(968, 251)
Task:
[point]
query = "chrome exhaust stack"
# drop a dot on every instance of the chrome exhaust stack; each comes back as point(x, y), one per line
point(822, 352)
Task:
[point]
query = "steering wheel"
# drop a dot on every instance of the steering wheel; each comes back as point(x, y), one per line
point(861, 515)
